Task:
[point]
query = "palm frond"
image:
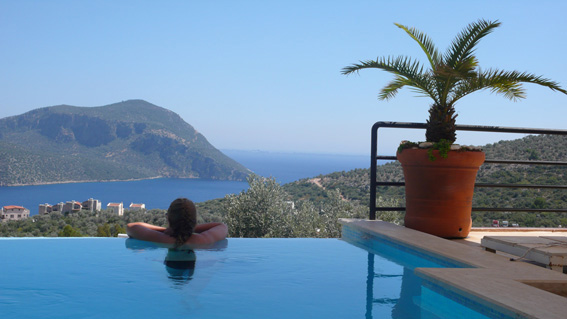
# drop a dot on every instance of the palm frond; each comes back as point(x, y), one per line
point(392, 88)
point(400, 65)
point(507, 83)
point(463, 46)
point(524, 77)
point(404, 68)
point(513, 91)
point(447, 78)
point(425, 43)
point(465, 69)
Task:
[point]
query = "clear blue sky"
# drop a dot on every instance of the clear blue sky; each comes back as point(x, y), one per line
point(265, 75)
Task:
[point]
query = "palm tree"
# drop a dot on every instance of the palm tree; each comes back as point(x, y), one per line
point(451, 77)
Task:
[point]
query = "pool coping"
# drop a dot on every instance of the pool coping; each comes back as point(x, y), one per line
point(514, 286)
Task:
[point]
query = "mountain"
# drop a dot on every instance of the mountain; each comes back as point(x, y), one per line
point(129, 140)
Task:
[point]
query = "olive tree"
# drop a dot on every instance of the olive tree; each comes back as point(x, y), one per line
point(264, 210)
point(259, 211)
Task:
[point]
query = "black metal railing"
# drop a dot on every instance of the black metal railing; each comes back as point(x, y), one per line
point(374, 183)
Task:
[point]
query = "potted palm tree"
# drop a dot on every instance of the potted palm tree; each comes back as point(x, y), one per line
point(439, 174)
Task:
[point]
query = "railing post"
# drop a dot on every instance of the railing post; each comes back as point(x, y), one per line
point(373, 165)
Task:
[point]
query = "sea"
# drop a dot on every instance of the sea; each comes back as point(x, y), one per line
point(158, 193)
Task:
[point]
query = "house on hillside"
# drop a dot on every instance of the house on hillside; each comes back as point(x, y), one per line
point(45, 209)
point(13, 212)
point(136, 207)
point(72, 207)
point(92, 205)
point(57, 207)
point(116, 208)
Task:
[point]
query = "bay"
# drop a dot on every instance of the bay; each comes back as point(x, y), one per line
point(158, 193)
point(289, 167)
point(154, 193)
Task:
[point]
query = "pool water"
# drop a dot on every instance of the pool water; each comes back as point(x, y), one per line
point(239, 278)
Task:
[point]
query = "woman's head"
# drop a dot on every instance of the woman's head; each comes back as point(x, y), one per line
point(182, 219)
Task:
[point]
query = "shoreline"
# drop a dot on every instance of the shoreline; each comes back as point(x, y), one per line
point(107, 181)
point(87, 181)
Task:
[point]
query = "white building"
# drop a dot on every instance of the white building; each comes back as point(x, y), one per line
point(135, 207)
point(92, 205)
point(291, 204)
point(116, 208)
point(13, 212)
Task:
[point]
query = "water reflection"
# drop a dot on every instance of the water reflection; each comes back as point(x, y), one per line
point(180, 263)
point(406, 305)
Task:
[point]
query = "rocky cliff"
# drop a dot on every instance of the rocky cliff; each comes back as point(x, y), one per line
point(128, 140)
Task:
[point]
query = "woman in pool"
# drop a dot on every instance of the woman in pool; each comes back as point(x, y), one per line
point(183, 228)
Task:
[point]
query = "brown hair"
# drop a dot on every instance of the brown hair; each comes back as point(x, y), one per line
point(182, 219)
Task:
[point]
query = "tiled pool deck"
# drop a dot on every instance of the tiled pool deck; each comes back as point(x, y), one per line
point(528, 290)
point(478, 233)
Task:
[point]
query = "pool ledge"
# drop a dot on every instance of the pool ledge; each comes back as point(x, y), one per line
point(527, 290)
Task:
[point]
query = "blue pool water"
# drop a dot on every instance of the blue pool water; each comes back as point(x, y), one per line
point(240, 278)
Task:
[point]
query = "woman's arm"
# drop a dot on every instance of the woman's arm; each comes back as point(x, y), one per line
point(148, 232)
point(150, 226)
point(204, 227)
point(208, 233)
point(204, 234)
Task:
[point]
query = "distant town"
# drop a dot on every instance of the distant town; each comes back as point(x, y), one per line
point(14, 212)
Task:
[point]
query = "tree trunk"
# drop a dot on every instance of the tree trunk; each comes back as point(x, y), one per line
point(441, 124)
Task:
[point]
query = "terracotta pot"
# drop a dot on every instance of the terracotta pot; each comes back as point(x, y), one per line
point(439, 193)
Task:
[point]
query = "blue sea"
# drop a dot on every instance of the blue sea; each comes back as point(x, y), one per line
point(158, 193)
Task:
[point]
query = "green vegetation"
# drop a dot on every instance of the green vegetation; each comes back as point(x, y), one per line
point(450, 77)
point(265, 210)
point(69, 231)
point(129, 140)
point(310, 207)
point(84, 223)
point(109, 231)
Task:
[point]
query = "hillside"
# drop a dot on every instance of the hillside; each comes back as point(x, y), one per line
point(355, 185)
point(128, 140)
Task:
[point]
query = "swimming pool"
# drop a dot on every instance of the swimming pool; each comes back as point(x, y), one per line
point(241, 278)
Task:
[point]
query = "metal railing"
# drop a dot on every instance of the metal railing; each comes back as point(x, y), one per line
point(374, 183)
